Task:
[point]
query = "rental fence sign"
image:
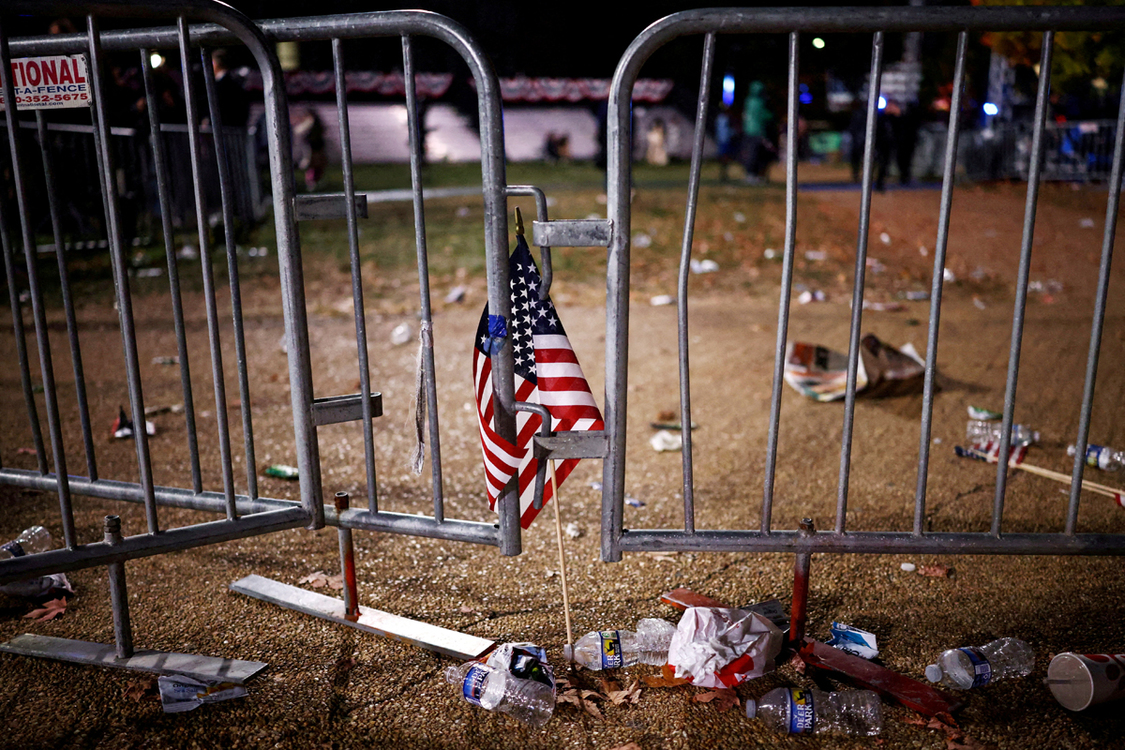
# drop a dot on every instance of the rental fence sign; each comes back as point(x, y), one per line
point(50, 82)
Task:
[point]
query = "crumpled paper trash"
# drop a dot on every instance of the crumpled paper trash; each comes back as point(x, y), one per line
point(721, 648)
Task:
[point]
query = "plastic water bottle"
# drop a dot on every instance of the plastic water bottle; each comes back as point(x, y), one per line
point(1106, 459)
point(496, 690)
point(796, 711)
point(984, 431)
point(30, 541)
point(610, 649)
point(965, 668)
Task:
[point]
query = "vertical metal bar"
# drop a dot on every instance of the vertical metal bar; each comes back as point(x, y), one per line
point(68, 303)
point(798, 609)
point(160, 163)
point(415, 128)
point(357, 279)
point(1021, 280)
point(347, 559)
point(225, 188)
point(47, 371)
point(121, 277)
point(208, 280)
point(938, 280)
point(682, 290)
point(1098, 323)
point(860, 272)
point(14, 300)
point(118, 594)
point(786, 292)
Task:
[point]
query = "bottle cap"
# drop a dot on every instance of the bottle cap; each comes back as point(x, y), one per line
point(751, 708)
point(933, 673)
point(568, 652)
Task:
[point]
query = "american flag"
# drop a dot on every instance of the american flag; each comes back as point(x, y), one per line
point(546, 372)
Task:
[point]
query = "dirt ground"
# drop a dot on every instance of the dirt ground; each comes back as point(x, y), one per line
point(332, 687)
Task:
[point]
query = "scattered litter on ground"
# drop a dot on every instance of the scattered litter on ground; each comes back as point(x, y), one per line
point(936, 571)
point(948, 276)
point(179, 693)
point(463, 211)
point(282, 471)
point(1079, 681)
point(665, 441)
point(816, 255)
point(149, 273)
point(614, 649)
point(915, 296)
point(402, 334)
point(1086, 223)
point(854, 641)
point(187, 252)
point(572, 530)
point(720, 648)
point(769, 253)
point(923, 250)
point(456, 294)
point(515, 679)
point(977, 412)
point(703, 266)
point(978, 303)
point(875, 265)
point(634, 502)
point(740, 217)
point(596, 486)
point(909, 567)
point(728, 236)
point(1050, 286)
point(821, 374)
point(809, 295)
point(883, 306)
point(640, 239)
point(661, 300)
point(123, 427)
point(166, 360)
point(885, 238)
point(152, 411)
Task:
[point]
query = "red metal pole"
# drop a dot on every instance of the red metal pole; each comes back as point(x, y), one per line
point(798, 611)
point(347, 561)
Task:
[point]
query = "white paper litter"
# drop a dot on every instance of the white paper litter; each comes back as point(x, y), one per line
point(666, 441)
point(179, 693)
point(720, 648)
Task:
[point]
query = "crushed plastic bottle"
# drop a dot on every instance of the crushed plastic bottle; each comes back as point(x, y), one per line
point(610, 649)
point(1101, 457)
point(797, 711)
point(980, 431)
point(966, 668)
point(495, 689)
point(31, 541)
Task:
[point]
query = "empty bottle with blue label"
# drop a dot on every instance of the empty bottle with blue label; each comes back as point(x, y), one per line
point(31, 541)
point(496, 690)
point(797, 711)
point(966, 668)
point(610, 649)
point(1099, 456)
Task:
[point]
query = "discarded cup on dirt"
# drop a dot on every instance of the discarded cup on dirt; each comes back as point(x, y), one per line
point(703, 266)
point(661, 300)
point(180, 693)
point(981, 431)
point(965, 668)
point(31, 541)
point(515, 679)
point(797, 711)
point(1101, 457)
point(854, 641)
point(123, 427)
point(613, 649)
point(665, 441)
point(402, 334)
point(822, 374)
point(281, 471)
point(456, 294)
point(719, 648)
point(1079, 681)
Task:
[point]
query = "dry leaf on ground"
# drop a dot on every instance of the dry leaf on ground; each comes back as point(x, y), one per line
point(667, 678)
point(141, 687)
point(935, 571)
point(49, 611)
point(628, 746)
point(724, 700)
point(319, 579)
point(631, 694)
point(581, 699)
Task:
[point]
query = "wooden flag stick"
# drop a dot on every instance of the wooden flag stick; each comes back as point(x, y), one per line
point(1058, 476)
point(562, 558)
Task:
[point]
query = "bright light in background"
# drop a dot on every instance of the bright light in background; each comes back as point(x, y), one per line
point(728, 89)
point(882, 102)
point(991, 109)
point(818, 43)
point(155, 60)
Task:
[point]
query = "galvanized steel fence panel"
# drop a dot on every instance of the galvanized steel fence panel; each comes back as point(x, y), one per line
point(877, 22)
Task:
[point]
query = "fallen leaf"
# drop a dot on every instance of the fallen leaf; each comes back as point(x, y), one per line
point(592, 709)
point(632, 694)
point(798, 663)
point(667, 678)
point(664, 556)
point(569, 696)
point(49, 611)
point(141, 687)
point(336, 582)
point(935, 571)
point(627, 746)
point(914, 720)
point(724, 699)
point(586, 694)
point(609, 685)
point(317, 579)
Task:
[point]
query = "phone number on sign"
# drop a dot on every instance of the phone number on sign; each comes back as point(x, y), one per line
point(48, 98)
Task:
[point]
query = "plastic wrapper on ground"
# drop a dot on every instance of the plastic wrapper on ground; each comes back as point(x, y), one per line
point(721, 648)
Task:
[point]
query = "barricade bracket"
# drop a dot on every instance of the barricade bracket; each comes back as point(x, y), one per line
point(328, 206)
point(572, 233)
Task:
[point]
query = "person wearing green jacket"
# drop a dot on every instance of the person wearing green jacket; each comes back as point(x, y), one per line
point(756, 122)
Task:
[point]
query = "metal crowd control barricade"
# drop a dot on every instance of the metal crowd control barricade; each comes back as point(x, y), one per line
point(246, 514)
point(803, 542)
point(250, 513)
